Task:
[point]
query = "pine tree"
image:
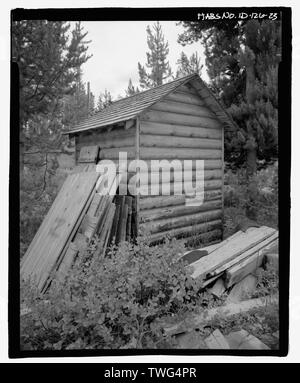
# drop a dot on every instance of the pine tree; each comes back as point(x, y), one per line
point(78, 105)
point(131, 90)
point(242, 60)
point(157, 64)
point(48, 61)
point(104, 100)
point(186, 66)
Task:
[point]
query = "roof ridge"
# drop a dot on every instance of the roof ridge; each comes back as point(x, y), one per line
point(148, 90)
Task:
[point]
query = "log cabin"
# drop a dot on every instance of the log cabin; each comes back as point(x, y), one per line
point(180, 120)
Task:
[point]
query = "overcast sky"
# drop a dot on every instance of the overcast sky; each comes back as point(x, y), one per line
point(118, 46)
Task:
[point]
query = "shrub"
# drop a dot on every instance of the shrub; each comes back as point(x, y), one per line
point(112, 302)
point(263, 195)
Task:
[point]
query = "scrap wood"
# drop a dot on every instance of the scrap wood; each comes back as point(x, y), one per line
point(218, 288)
point(238, 271)
point(128, 201)
point(272, 261)
point(123, 222)
point(194, 321)
point(104, 234)
point(56, 231)
point(254, 251)
point(242, 340)
point(192, 256)
point(190, 340)
point(230, 250)
point(216, 341)
point(66, 263)
point(243, 288)
point(94, 205)
point(121, 201)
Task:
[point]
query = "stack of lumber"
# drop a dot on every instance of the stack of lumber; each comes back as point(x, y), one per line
point(234, 258)
point(124, 222)
point(229, 268)
point(78, 213)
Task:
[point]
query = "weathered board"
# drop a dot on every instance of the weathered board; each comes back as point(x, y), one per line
point(56, 228)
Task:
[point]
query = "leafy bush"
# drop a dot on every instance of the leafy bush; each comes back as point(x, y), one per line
point(112, 302)
point(263, 194)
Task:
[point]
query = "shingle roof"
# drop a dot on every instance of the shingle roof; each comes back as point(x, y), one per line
point(130, 107)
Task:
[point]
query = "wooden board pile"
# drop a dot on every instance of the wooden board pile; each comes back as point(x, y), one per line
point(124, 223)
point(228, 268)
point(234, 258)
point(235, 340)
point(79, 212)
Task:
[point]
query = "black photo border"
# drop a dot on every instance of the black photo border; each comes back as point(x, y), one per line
point(284, 133)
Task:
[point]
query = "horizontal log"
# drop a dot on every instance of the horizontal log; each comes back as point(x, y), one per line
point(179, 119)
point(176, 188)
point(181, 221)
point(175, 200)
point(204, 232)
point(113, 153)
point(184, 175)
point(186, 96)
point(183, 108)
point(96, 136)
point(177, 211)
point(188, 89)
point(151, 140)
point(200, 131)
point(178, 164)
point(180, 153)
point(160, 201)
point(148, 166)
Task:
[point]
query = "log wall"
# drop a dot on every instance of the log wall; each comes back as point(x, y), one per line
point(182, 128)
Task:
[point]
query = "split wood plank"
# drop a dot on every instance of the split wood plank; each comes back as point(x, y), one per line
point(57, 227)
point(261, 246)
point(94, 205)
point(124, 223)
point(230, 251)
point(80, 240)
point(243, 267)
point(216, 341)
point(128, 225)
point(242, 340)
point(242, 289)
point(66, 264)
point(218, 288)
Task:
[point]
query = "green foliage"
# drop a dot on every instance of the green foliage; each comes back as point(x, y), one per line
point(77, 106)
point(131, 90)
point(48, 63)
point(267, 282)
point(263, 195)
point(261, 322)
point(159, 68)
point(112, 302)
point(186, 66)
point(242, 60)
point(104, 100)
